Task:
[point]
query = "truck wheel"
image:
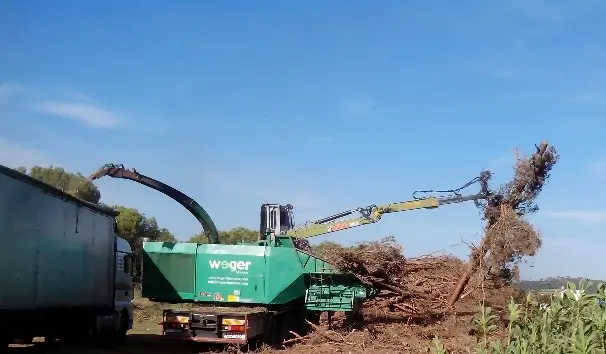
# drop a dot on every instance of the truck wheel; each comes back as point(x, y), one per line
point(123, 329)
point(272, 333)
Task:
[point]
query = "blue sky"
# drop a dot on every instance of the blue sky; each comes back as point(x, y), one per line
point(321, 105)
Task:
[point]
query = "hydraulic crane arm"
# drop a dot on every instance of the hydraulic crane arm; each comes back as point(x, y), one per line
point(373, 213)
point(118, 171)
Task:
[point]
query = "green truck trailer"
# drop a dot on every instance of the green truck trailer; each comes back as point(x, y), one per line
point(254, 291)
point(63, 272)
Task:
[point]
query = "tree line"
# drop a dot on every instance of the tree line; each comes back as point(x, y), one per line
point(556, 283)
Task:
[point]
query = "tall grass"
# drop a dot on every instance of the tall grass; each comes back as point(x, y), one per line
point(566, 326)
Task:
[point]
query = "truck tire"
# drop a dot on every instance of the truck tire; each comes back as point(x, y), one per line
point(123, 329)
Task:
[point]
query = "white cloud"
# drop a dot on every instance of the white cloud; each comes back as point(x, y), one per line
point(16, 155)
point(66, 102)
point(361, 106)
point(85, 113)
point(593, 216)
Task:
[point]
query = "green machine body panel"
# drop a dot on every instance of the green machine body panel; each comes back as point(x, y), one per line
point(247, 274)
point(231, 273)
point(169, 271)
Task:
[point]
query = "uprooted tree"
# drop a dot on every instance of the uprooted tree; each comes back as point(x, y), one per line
point(423, 289)
point(508, 236)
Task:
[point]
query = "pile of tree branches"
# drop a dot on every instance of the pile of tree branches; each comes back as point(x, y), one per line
point(425, 288)
point(412, 289)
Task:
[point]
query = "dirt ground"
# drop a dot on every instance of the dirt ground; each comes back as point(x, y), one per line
point(372, 334)
point(369, 334)
point(380, 338)
point(403, 318)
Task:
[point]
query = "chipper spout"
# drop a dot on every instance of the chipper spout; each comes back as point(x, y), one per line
point(119, 171)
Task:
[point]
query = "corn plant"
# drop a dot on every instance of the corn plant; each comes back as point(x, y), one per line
point(573, 323)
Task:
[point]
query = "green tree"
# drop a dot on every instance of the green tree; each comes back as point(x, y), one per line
point(73, 183)
point(230, 237)
point(166, 236)
point(134, 226)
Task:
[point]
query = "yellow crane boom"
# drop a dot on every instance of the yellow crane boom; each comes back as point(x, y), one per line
point(373, 213)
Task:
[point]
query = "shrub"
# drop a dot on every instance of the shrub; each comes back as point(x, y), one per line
point(568, 325)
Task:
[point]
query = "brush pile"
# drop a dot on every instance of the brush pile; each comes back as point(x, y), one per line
point(423, 290)
point(413, 290)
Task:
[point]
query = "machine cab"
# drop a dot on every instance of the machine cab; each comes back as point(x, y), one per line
point(276, 219)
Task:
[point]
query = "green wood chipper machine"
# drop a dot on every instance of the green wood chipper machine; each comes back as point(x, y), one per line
point(254, 291)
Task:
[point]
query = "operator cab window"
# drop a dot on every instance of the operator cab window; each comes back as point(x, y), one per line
point(286, 220)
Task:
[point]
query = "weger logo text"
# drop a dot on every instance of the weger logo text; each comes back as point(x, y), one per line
point(232, 265)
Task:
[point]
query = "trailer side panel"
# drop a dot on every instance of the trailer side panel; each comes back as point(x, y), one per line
point(56, 252)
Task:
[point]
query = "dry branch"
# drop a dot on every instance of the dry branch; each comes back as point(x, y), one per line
point(325, 334)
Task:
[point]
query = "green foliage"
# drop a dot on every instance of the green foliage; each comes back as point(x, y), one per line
point(231, 237)
point(568, 325)
point(135, 226)
point(72, 183)
point(165, 235)
point(485, 322)
point(132, 224)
